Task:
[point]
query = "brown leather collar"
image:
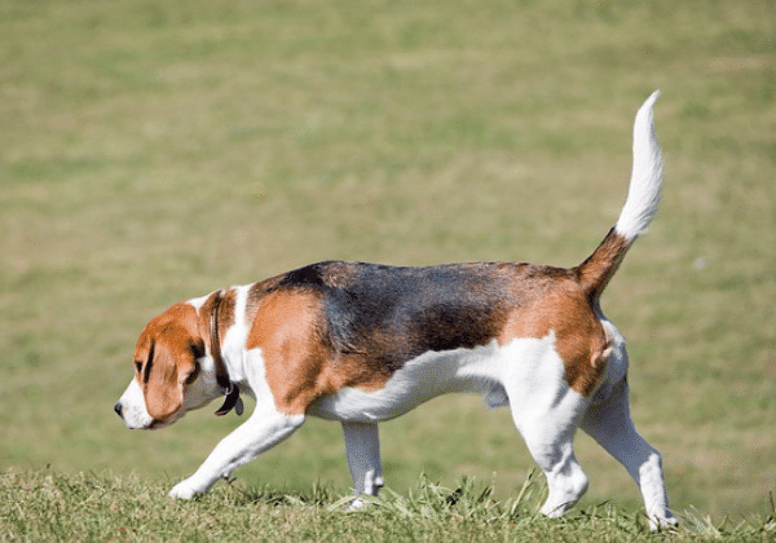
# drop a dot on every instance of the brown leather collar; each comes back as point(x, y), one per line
point(232, 392)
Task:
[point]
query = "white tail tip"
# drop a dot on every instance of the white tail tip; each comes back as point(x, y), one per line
point(647, 176)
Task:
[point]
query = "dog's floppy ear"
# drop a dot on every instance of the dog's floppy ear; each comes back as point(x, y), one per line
point(162, 393)
point(171, 370)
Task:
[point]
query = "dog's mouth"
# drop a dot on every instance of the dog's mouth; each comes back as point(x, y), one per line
point(154, 424)
point(158, 424)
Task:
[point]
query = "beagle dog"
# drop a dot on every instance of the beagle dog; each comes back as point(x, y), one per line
point(364, 343)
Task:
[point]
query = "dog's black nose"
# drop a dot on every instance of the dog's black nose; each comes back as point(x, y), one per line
point(118, 410)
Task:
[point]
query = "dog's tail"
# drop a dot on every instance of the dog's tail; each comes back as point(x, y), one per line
point(640, 206)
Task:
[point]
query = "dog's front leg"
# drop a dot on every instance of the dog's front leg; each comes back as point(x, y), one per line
point(362, 443)
point(263, 430)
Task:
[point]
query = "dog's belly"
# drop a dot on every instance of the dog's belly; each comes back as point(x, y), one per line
point(480, 370)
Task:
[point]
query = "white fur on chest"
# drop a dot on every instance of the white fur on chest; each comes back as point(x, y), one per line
point(233, 346)
point(490, 370)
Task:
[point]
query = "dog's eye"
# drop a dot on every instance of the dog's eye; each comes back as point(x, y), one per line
point(193, 375)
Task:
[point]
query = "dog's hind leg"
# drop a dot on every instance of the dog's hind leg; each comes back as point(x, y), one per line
point(362, 443)
point(551, 442)
point(546, 412)
point(547, 419)
point(609, 423)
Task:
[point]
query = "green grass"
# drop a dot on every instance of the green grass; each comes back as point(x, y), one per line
point(44, 506)
point(154, 152)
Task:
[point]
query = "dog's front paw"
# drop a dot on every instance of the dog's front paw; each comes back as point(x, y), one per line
point(186, 490)
point(663, 522)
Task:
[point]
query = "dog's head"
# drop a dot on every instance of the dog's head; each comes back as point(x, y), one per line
point(173, 371)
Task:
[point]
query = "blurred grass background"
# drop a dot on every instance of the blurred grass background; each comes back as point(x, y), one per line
point(151, 152)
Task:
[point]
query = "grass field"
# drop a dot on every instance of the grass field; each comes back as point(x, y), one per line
point(88, 507)
point(151, 152)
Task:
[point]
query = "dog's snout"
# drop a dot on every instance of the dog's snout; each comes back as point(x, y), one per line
point(118, 409)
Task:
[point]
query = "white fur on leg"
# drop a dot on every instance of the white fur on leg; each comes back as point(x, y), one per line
point(362, 443)
point(610, 424)
point(265, 429)
point(566, 482)
point(546, 412)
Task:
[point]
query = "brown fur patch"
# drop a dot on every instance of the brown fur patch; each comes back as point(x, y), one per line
point(563, 308)
point(596, 271)
point(287, 329)
point(256, 295)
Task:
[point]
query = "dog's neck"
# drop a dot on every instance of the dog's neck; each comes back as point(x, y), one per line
point(229, 388)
